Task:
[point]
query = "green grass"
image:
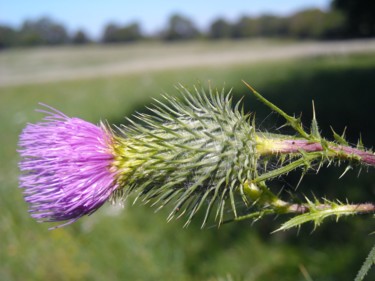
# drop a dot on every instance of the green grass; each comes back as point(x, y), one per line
point(134, 243)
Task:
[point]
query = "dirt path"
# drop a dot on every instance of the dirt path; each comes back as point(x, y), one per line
point(68, 63)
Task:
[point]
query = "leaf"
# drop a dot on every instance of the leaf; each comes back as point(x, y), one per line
point(338, 138)
point(370, 260)
point(295, 123)
point(317, 212)
point(314, 131)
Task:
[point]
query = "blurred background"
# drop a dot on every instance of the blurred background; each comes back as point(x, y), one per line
point(104, 60)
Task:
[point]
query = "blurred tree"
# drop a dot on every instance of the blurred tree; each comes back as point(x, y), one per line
point(131, 32)
point(114, 33)
point(80, 37)
point(244, 27)
point(7, 36)
point(180, 27)
point(316, 24)
point(270, 26)
point(263, 26)
point(42, 31)
point(219, 28)
point(360, 16)
point(109, 34)
point(333, 25)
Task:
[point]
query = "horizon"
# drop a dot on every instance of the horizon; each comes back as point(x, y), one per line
point(151, 20)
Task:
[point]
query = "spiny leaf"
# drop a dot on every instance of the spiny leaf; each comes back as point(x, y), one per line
point(317, 212)
point(338, 138)
point(314, 131)
point(295, 123)
point(370, 261)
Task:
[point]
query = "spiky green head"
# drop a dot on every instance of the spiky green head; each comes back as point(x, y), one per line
point(197, 152)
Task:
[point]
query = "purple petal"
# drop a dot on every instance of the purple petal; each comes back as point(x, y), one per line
point(66, 165)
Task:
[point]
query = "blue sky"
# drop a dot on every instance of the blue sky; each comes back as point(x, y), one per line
point(152, 15)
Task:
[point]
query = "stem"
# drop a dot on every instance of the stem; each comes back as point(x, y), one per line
point(286, 146)
point(365, 208)
point(286, 169)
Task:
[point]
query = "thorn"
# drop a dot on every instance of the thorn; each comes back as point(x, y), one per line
point(309, 202)
point(360, 143)
point(265, 165)
point(247, 85)
point(313, 107)
point(359, 171)
point(319, 166)
point(343, 133)
point(301, 178)
point(282, 126)
point(345, 171)
point(282, 159)
point(181, 214)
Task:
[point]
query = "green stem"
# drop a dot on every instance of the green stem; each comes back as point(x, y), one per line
point(303, 161)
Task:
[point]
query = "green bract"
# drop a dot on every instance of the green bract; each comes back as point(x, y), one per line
point(197, 152)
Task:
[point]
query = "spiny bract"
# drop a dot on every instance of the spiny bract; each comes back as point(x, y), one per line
point(199, 152)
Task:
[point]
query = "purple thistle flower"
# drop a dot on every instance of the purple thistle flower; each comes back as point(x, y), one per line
point(67, 167)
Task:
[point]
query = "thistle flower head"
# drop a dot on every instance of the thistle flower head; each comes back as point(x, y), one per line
point(66, 165)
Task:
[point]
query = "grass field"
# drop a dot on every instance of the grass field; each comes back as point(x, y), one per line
point(134, 243)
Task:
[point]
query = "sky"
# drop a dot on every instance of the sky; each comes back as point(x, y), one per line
point(92, 16)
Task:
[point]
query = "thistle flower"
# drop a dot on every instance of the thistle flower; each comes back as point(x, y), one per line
point(67, 167)
point(194, 152)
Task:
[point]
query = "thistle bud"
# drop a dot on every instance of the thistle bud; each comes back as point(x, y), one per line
point(194, 152)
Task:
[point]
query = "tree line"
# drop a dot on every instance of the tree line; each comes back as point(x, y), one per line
point(345, 19)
